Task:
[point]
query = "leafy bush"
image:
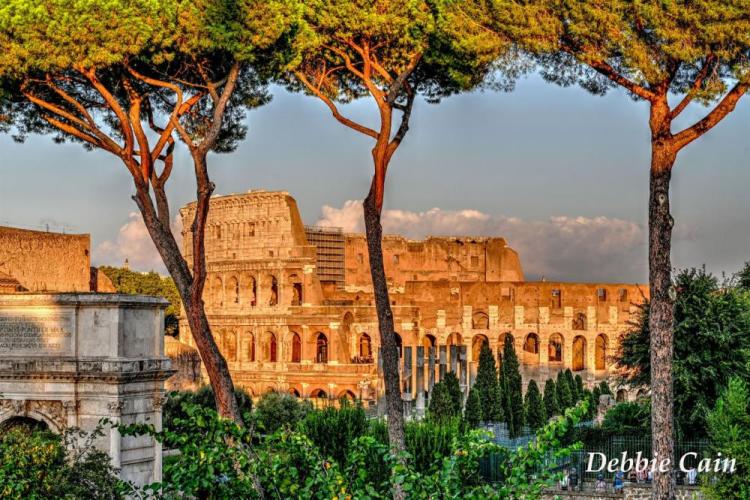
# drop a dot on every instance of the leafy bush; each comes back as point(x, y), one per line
point(333, 430)
point(276, 410)
point(627, 418)
point(175, 407)
point(729, 430)
point(39, 464)
point(442, 406)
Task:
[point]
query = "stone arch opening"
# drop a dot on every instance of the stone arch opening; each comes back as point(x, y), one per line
point(531, 349)
point(321, 350)
point(250, 346)
point(252, 291)
point(230, 345)
point(429, 340)
point(480, 321)
point(601, 352)
point(555, 350)
point(273, 287)
point(269, 347)
point(454, 338)
point(217, 294)
point(476, 345)
point(234, 290)
point(296, 348)
point(365, 347)
point(579, 353)
point(296, 283)
point(622, 396)
point(348, 395)
point(24, 422)
point(294, 392)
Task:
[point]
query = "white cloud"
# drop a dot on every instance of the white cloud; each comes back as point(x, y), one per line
point(558, 248)
point(133, 242)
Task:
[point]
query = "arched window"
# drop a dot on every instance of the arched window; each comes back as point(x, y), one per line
point(218, 292)
point(531, 349)
point(622, 396)
point(601, 352)
point(296, 290)
point(480, 321)
point(429, 341)
point(250, 346)
point(269, 347)
point(454, 339)
point(252, 291)
point(579, 353)
point(476, 346)
point(321, 353)
point(230, 346)
point(296, 349)
point(555, 352)
point(273, 291)
point(234, 290)
point(365, 346)
point(294, 392)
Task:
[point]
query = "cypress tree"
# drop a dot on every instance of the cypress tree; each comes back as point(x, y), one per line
point(536, 414)
point(564, 396)
point(454, 390)
point(486, 385)
point(441, 407)
point(512, 391)
point(473, 411)
point(496, 405)
point(604, 388)
point(579, 387)
point(572, 385)
point(551, 406)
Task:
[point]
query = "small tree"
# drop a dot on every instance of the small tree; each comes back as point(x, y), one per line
point(441, 407)
point(512, 389)
point(743, 278)
point(580, 390)
point(473, 410)
point(391, 51)
point(668, 55)
point(132, 78)
point(536, 413)
point(487, 385)
point(573, 386)
point(454, 389)
point(551, 405)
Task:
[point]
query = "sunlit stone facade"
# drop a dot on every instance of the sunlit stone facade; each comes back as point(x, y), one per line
point(292, 307)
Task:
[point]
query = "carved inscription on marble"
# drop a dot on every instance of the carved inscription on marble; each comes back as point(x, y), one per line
point(36, 332)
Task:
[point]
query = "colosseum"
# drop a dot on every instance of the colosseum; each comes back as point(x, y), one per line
point(292, 306)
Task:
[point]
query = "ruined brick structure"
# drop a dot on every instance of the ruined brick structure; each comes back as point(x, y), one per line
point(38, 261)
point(292, 307)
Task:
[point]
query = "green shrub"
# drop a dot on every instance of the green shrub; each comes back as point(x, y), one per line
point(39, 464)
point(204, 397)
point(333, 430)
point(628, 418)
point(275, 410)
point(473, 411)
point(442, 407)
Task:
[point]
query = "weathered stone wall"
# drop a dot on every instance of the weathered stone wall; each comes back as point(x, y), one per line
point(281, 329)
point(463, 259)
point(46, 262)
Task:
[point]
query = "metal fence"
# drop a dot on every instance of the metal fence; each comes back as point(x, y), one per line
point(612, 448)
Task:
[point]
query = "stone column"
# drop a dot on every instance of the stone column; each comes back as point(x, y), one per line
point(115, 440)
point(158, 401)
point(463, 369)
point(420, 380)
point(443, 361)
point(544, 357)
point(454, 360)
point(407, 372)
point(431, 368)
point(71, 412)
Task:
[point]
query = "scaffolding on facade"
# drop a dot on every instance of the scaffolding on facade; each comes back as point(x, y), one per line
point(329, 242)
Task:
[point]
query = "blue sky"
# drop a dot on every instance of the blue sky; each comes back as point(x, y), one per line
point(563, 174)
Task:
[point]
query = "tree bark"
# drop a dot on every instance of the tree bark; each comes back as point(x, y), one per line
point(192, 300)
point(389, 351)
point(661, 317)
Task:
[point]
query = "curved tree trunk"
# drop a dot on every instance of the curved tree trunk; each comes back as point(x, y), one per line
point(190, 288)
point(389, 351)
point(661, 317)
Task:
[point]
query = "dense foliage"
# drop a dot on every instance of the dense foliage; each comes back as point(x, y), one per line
point(551, 404)
point(37, 464)
point(178, 401)
point(712, 335)
point(218, 459)
point(536, 412)
point(729, 430)
point(633, 418)
point(151, 283)
point(277, 410)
